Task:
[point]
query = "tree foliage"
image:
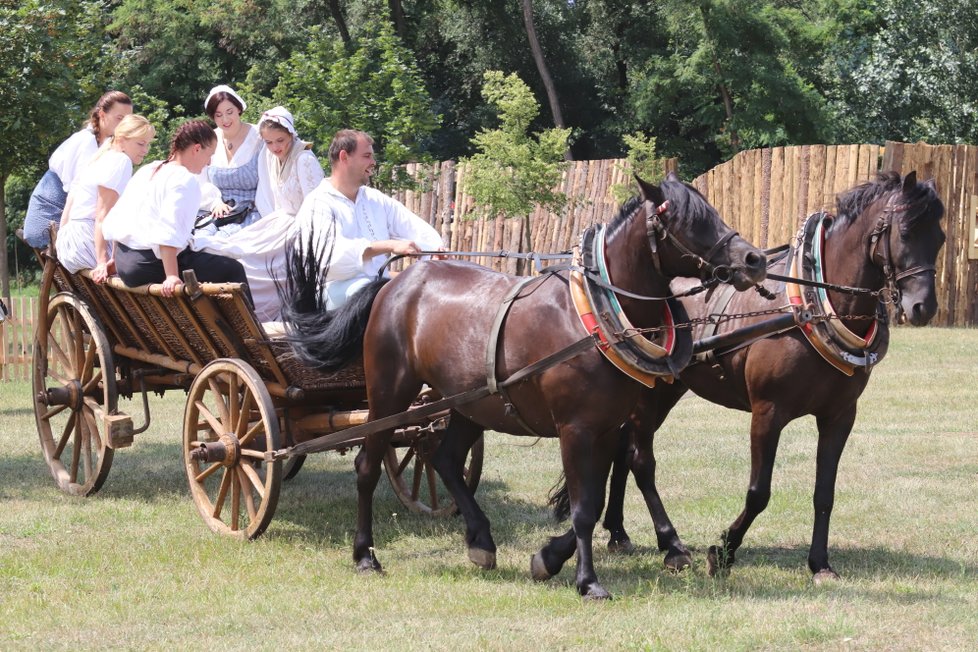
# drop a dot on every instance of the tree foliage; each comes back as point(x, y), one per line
point(374, 85)
point(904, 70)
point(45, 46)
point(701, 78)
point(512, 171)
point(641, 159)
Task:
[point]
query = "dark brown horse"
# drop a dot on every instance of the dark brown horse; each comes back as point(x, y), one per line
point(886, 236)
point(432, 325)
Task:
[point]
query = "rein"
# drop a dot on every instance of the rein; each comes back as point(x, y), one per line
point(656, 231)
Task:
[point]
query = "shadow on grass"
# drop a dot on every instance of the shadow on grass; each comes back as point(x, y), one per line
point(318, 506)
point(318, 509)
point(16, 412)
point(767, 572)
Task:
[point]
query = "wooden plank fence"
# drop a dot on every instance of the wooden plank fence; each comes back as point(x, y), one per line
point(16, 339)
point(764, 194)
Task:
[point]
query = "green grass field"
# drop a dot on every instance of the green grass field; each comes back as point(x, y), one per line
point(134, 567)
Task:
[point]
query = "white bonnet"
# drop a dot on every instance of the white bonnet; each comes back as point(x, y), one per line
point(279, 115)
point(225, 89)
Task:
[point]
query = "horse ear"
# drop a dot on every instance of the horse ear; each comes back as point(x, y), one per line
point(651, 192)
point(909, 182)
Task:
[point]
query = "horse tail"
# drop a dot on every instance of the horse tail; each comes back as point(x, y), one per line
point(559, 499)
point(321, 338)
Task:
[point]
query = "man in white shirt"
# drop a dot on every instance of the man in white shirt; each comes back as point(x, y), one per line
point(363, 226)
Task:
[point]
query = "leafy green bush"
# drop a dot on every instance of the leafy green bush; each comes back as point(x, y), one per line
point(512, 172)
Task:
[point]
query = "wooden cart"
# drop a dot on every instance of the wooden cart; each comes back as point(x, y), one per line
point(246, 395)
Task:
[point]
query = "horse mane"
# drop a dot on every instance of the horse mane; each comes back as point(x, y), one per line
point(321, 338)
point(852, 203)
point(686, 206)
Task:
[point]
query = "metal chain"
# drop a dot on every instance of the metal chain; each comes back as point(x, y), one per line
point(719, 318)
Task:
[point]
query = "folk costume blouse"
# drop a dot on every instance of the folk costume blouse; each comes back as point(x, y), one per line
point(373, 216)
point(283, 186)
point(111, 169)
point(155, 209)
point(234, 177)
point(73, 155)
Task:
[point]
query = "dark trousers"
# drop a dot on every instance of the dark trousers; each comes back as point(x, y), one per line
point(141, 266)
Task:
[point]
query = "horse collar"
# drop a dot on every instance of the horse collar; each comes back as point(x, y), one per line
point(621, 343)
point(839, 346)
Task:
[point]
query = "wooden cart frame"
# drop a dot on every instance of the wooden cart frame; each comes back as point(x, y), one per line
point(247, 396)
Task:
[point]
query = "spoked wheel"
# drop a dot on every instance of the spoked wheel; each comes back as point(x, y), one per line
point(74, 391)
point(415, 481)
point(228, 425)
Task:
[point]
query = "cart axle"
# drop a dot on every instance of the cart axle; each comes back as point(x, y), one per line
point(225, 450)
point(70, 394)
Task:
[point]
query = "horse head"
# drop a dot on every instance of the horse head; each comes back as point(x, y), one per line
point(688, 238)
point(905, 244)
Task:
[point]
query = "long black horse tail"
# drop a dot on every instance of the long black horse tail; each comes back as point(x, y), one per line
point(559, 499)
point(321, 338)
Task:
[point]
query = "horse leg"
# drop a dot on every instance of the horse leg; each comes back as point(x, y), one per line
point(614, 516)
point(765, 432)
point(586, 464)
point(646, 420)
point(449, 462)
point(368, 467)
point(386, 398)
point(833, 432)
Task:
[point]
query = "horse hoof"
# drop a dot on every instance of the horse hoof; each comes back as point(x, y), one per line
point(825, 576)
point(369, 565)
point(677, 562)
point(621, 546)
point(538, 569)
point(482, 558)
point(596, 592)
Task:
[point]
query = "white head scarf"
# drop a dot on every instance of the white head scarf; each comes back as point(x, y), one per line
point(280, 116)
point(225, 89)
point(279, 171)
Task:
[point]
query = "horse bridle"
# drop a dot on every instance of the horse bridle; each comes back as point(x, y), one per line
point(880, 254)
point(658, 230)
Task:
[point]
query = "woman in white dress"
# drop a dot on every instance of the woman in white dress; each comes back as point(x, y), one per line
point(47, 202)
point(231, 177)
point(288, 170)
point(94, 193)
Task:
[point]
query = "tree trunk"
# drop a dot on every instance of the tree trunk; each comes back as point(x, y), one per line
point(721, 85)
point(4, 271)
point(548, 82)
point(334, 10)
point(397, 16)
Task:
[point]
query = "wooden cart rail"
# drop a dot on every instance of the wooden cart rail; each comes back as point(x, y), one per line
point(200, 323)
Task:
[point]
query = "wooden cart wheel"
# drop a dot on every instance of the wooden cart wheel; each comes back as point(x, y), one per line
point(74, 391)
point(228, 425)
point(416, 482)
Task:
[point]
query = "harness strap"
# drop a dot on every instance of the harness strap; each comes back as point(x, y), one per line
point(417, 414)
point(492, 352)
point(597, 280)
